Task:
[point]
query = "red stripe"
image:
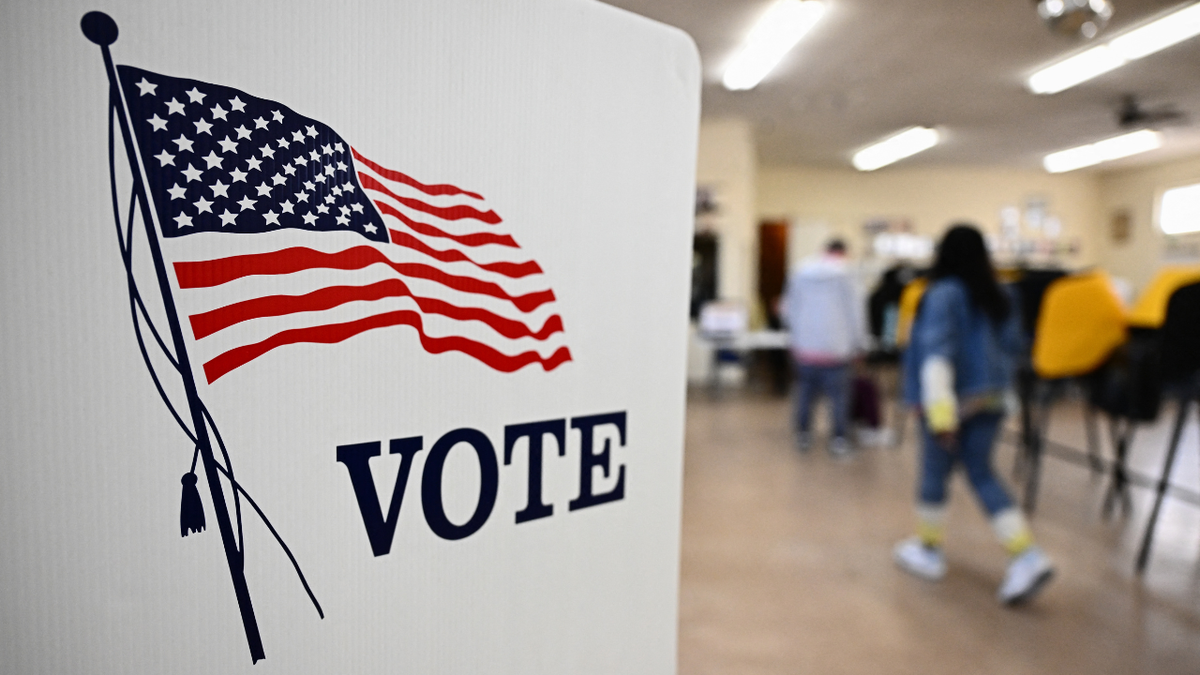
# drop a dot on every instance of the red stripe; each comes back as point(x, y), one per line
point(210, 322)
point(508, 269)
point(412, 182)
point(334, 333)
point(444, 212)
point(476, 239)
point(209, 273)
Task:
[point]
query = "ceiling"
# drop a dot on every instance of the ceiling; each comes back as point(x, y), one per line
point(872, 67)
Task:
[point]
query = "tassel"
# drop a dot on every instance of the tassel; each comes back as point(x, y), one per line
point(191, 509)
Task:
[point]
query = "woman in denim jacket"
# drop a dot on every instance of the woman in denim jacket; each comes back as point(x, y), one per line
point(957, 371)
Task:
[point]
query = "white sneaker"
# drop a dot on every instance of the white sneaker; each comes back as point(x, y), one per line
point(920, 560)
point(839, 448)
point(1027, 574)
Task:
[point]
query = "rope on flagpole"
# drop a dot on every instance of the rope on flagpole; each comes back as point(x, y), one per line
point(138, 307)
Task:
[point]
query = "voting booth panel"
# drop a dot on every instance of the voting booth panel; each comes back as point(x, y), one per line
point(343, 337)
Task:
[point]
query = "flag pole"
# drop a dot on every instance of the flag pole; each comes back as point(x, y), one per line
point(102, 30)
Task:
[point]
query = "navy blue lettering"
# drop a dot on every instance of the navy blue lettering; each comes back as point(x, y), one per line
point(357, 457)
point(534, 506)
point(431, 484)
point(589, 460)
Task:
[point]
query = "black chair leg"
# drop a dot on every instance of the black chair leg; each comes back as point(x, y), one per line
point(1093, 439)
point(1161, 489)
point(1118, 488)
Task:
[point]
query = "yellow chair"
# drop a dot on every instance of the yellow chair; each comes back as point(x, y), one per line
point(1150, 310)
point(910, 299)
point(1080, 323)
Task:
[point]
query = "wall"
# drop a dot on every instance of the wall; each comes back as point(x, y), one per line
point(1137, 191)
point(838, 201)
point(727, 163)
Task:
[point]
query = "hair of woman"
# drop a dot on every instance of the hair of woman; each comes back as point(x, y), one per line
point(963, 254)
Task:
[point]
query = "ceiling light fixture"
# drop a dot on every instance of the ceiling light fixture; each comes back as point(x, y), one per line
point(777, 31)
point(1142, 41)
point(1103, 151)
point(895, 148)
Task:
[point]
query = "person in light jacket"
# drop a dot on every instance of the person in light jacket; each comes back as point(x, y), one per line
point(825, 314)
point(958, 371)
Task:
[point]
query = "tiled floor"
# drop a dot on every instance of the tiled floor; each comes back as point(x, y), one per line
point(786, 561)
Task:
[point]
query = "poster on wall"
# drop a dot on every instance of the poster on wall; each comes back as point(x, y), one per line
point(343, 337)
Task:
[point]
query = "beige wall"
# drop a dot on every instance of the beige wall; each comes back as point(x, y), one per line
point(839, 201)
point(727, 162)
point(1137, 191)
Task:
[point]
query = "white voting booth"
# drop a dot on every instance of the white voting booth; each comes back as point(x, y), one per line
point(382, 304)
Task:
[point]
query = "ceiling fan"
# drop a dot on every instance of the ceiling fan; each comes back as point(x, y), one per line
point(1131, 114)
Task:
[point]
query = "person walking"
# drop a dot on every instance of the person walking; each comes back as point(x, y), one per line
point(824, 313)
point(958, 371)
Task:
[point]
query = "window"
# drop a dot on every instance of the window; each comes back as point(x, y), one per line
point(1179, 210)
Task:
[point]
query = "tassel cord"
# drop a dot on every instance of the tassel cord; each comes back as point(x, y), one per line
point(139, 314)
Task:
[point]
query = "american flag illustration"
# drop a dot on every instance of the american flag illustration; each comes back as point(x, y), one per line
point(279, 232)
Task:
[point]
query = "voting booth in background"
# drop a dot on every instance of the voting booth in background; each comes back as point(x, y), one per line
point(381, 305)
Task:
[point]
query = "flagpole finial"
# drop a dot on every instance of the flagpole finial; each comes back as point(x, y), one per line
point(99, 28)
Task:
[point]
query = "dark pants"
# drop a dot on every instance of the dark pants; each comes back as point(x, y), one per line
point(976, 438)
point(834, 382)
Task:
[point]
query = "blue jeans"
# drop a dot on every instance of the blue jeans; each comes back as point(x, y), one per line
point(834, 382)
point(976, 437)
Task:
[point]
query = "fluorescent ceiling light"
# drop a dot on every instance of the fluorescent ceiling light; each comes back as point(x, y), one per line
point(904, 144)
point(777, 31)
point(1102, 151)
point(1142, 41)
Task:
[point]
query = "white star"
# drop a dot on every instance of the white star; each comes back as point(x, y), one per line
point(183, 219)
point(253, 163)
point(339, 147)
point(260, 123)
point(227, 218)
point(347, 188)
point(344, 210)
point(289, 170)
point(278, 179)
point(246, 203)
point(311, 131)
point(219, 113)
point(370, 228)
point(337, 190)
point(195, 95)
point(192, 173)
point(283, 143)
point(302, 196)
point(287, 206)
point(165, 158)
point(202, 127)
point(297, 137)
point(157, 122)
point(177, 192)
point(329, 199)
point(326, 150)
point(271, 217)
point(356, 207)
point(236, 104)
point(267, 151)
point(238, 176)
point(203, 206)
point(322, 209)
point(308, 185)
point(328, 170)
point(276, 115)
point(242, 132)
point(320, 178)
point(341, 166)
point(174, 106)
point(342, 220)
point(264, 190)
point(314, 156)
point(220, 189)
point(184, 144)
point(144, 87)
point(309, 219)
point(212, 159)
point(228, 145)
